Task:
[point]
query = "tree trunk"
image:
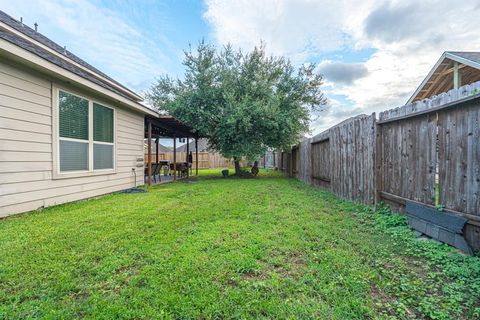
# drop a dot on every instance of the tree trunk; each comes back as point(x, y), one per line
point(255, 169)
point(237, 166)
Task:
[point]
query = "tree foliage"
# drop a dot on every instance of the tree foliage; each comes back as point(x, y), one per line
point(244, 103)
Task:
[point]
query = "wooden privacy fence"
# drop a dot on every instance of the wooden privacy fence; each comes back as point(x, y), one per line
point(353, 144)
point(267, 160)
point(341, 159)
point(427, 152)
point(206, 160)
point(321, 161)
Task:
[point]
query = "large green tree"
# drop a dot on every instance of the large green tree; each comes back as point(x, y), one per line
point(244, 103)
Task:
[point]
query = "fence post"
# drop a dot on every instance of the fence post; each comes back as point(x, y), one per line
point(187, 156)
point(149, 142)
point(378, 163)
point(281, 160)
point(196, 156)
point(312, 181)
point(174, 158)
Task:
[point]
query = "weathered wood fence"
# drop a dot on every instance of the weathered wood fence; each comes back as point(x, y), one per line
point(427, 152)
point(206, 160)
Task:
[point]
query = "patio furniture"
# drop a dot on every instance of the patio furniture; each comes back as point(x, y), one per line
point(155, 171)
point(182, 168)
point(165, 164)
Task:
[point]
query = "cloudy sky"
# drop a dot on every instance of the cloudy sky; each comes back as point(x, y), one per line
point(372, 53)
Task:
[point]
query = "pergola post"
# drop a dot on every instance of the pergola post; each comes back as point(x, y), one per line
point(188, 157)
point(196, 156)
point(174, 158)
point(149, 158)
point(156, 150)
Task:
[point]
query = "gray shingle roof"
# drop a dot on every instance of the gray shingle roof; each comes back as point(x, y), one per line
point(435, 81)
point(202, 146)
point(45, 54)
point(161, 148)
point(472, 56)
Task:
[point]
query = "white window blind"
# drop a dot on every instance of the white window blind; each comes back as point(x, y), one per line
point(73, 156)
point(102, 156)
point(86, 134)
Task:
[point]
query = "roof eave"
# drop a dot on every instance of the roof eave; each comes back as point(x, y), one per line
point(25, 57)
point(425, 80)
point(123, 89)
point(463, 60)
point(445, 55)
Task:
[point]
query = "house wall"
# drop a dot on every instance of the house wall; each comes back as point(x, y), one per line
point(26, 158)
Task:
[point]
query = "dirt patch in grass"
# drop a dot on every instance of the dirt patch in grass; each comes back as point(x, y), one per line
point(254, 275)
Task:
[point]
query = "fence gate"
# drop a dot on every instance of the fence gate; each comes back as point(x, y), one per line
point(295, 161)
point(321, 162)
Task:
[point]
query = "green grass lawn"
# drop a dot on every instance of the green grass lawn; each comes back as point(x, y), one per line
point(268, 247)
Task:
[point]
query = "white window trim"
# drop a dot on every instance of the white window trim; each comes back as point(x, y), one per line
point(57, 174)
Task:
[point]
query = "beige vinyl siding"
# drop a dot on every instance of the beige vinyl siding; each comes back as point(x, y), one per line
point(26, 157)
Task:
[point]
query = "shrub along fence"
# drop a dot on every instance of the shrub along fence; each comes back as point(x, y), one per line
point(426, 153)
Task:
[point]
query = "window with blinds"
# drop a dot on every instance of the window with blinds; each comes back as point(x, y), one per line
point(73, 132)
point(102, 123)
point(103, 137)
point(73, 156)
point(102, 156)
point(86, 134)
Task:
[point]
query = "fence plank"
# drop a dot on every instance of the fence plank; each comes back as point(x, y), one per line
point(343, 158)
point(459, 161)
point(321, 163)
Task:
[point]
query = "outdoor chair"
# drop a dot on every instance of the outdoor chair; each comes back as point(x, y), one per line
point(182, 168)
point(155, 171)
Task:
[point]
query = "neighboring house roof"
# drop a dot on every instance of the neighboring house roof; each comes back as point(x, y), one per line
point(472, 57)
point(107, 82)
point(202, 146)
point(161, 148)
point(441, 77)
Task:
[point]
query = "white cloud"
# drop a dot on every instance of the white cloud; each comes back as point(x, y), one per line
point(332, 115)
point(409, 36)
point(341, 72)
point(297, 28)
point(98, 35)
